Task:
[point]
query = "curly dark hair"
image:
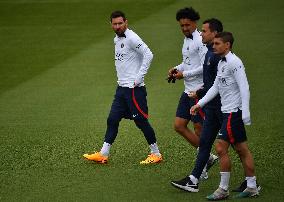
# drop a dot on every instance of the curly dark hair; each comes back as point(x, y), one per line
point(187, 13)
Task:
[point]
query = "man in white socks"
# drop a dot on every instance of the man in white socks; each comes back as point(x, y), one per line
point(232, 85)
point(190, 70)
point(132, 61)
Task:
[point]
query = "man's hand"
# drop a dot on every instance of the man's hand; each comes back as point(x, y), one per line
point(172, 71)
point(194, 109)
point(178, 75)
point(246, 119)
point(192, 94)
point(171, 77)
point(138, 81)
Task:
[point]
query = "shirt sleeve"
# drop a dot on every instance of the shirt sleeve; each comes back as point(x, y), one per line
point(139, 46)
point(179, 67)
point(211, 93)
point(202, 50)
point(239, 74)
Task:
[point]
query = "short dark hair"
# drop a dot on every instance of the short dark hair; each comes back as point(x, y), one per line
point(214, 25)
point(116, 14)
point(187, 13)
point(226, 37)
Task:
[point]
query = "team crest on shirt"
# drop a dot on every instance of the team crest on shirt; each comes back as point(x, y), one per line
point(223, 69)
point(122, 45)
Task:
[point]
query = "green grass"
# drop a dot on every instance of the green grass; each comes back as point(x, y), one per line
point(57, 81)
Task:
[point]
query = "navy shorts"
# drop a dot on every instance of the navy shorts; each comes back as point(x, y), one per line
point(183, 109)
point(233, 129)
point(129, 103)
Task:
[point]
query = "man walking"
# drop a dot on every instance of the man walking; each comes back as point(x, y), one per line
point(190, 70)
point(132, 61)
point(232, 85)
point(212, 110)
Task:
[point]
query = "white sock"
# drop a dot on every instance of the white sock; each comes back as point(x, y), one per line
point(251, 182)
point(193, 179)
point(225, 178)
point(154, 149)
point(105, 149)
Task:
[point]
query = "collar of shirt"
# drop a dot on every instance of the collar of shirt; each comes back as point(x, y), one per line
point(190, 37)
point(227, 57)
point(193, 34)
point(124, 34)
point(209, 46)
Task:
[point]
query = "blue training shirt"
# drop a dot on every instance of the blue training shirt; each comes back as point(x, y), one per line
point(209, 74)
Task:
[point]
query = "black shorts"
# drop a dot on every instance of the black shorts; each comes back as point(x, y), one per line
point(233, 129)
point(129, 103)
point(183, 109)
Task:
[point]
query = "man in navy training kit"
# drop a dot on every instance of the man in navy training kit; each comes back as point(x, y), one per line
point(213, 115)
point(232, 85)
point(132, 61)
point(190, 70)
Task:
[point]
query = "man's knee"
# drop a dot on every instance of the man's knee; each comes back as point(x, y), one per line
point(179, 127)
point(141, 122)
point(242, 150)
point(220, 149)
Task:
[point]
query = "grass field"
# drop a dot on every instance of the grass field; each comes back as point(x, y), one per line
point(57, 81)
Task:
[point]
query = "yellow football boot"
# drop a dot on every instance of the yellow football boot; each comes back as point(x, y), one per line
point(97, 157)
point(152, 158)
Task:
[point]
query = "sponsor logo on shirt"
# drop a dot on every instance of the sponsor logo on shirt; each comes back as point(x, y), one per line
point(119, 56)
point(138, 46)
point(187, 61)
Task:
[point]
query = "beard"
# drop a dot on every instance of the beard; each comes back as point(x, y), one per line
point(120, 33)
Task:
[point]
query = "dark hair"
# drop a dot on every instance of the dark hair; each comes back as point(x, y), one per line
point(116, 14)
point(187, 13)
point(226, 37)
point(214, 24)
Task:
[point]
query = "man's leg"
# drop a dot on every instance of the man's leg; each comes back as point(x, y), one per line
point(182, 119)
point(211, 127)
point(246, 158)
point(222, 149)
point(248, 165)
point(252, 189)
point(138, 108)
point(180, 127)
point(147, 130)
point(197, 126)
point(117, 112)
